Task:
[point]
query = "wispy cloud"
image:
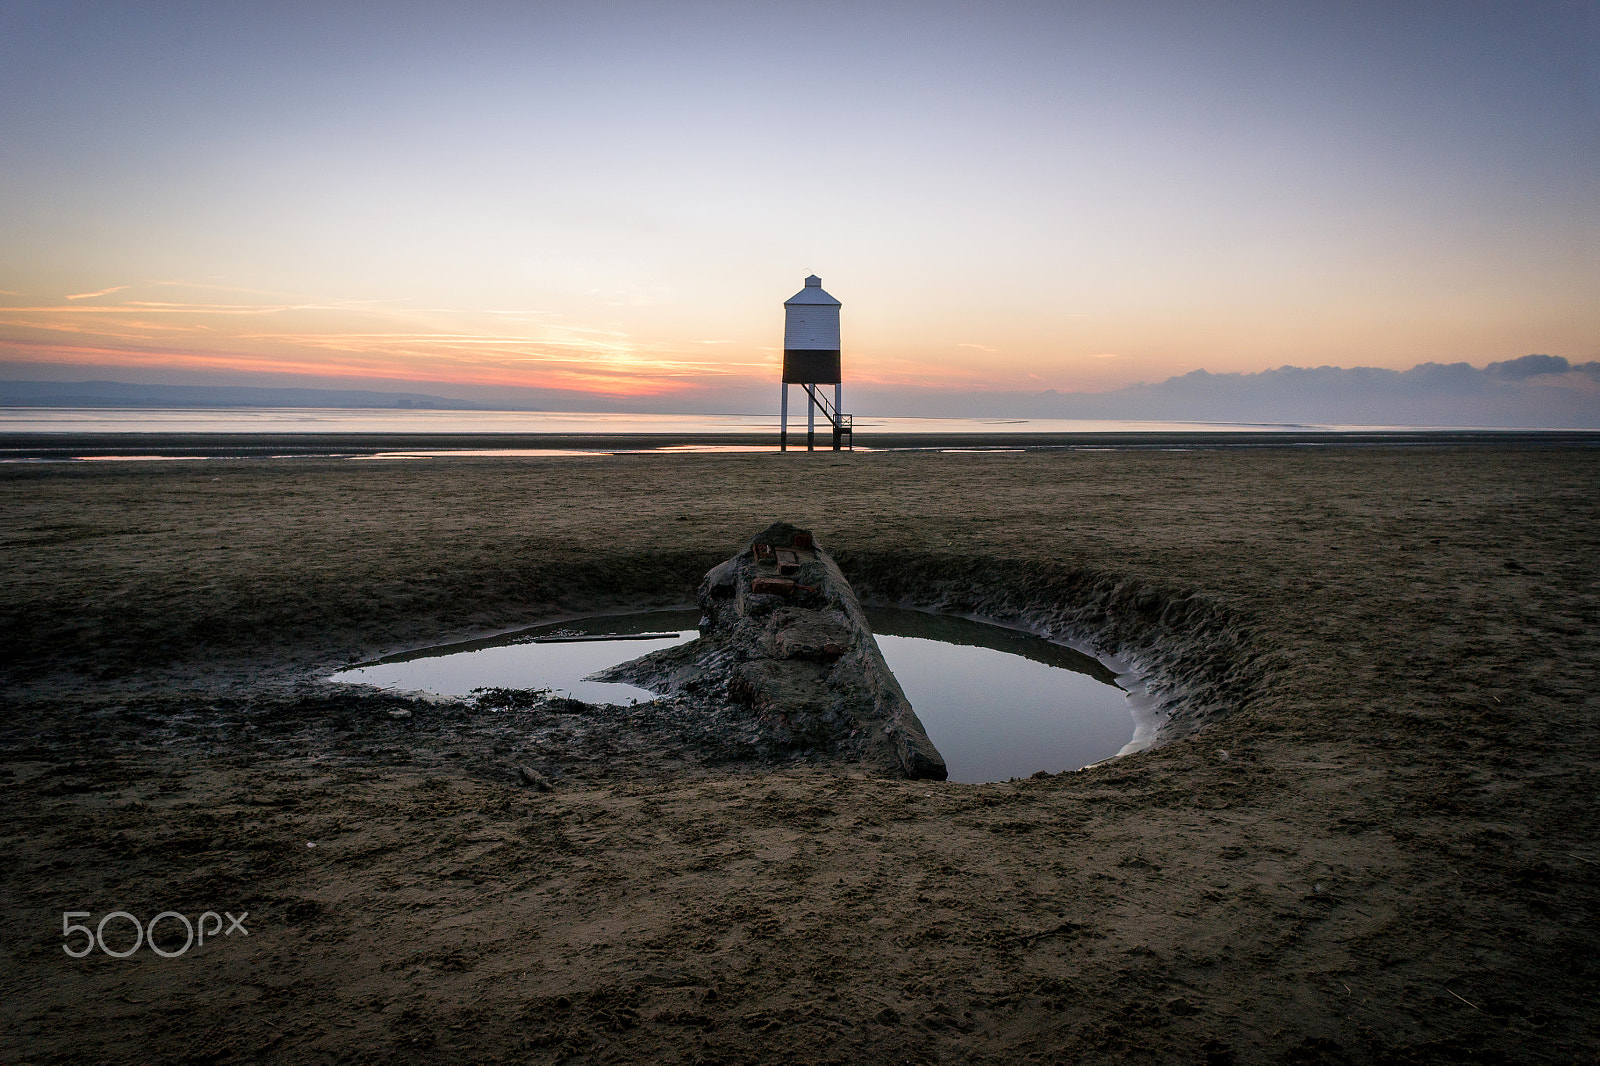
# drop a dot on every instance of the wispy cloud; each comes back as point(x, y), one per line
point(101, 292)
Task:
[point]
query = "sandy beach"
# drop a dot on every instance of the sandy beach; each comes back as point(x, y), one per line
point(1370, 835)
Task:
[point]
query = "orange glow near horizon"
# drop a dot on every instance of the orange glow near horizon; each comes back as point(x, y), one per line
point(650, 346)
point(395, 345)
point(369, 341)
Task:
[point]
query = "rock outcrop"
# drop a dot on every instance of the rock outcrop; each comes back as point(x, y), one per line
point(784, 636)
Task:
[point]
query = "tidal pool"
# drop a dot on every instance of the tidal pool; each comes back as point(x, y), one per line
point(998, 703)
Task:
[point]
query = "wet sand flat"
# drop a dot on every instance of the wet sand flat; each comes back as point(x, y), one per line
point(1375, 839)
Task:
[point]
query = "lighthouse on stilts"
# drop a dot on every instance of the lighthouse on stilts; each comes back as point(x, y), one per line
point(811, 358)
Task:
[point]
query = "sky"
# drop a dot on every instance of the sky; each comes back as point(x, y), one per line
point(614, 199)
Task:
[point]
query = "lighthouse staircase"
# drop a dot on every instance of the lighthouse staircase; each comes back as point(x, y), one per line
point(843, 424)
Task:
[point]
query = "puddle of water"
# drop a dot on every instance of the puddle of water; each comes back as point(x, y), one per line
point(481, 453)
point(998, 703)
point(521, 660)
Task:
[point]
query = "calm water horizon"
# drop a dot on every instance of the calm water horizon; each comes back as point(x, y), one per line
point(323, 420)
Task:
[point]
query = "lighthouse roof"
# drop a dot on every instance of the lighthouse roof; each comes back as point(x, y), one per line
point(812, 294)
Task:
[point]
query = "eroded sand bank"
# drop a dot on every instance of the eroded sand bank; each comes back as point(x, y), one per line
point(1372, 838)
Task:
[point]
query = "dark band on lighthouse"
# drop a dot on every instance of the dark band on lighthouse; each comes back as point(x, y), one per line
point(804, 366)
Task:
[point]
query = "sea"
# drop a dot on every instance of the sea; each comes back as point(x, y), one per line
point(430, 421)
point(35, 434)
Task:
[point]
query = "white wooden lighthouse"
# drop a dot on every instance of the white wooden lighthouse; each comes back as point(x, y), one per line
point(811, 358)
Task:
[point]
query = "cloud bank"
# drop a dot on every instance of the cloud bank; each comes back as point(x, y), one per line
point(1535, 391)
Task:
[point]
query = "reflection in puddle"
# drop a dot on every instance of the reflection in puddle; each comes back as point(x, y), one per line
point(523, 660)
point(1000, 703)
point(997, 703)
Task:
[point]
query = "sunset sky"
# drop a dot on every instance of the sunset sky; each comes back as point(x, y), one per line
point(617, 198)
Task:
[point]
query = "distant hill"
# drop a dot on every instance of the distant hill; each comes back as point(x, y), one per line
point(1532, 391)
